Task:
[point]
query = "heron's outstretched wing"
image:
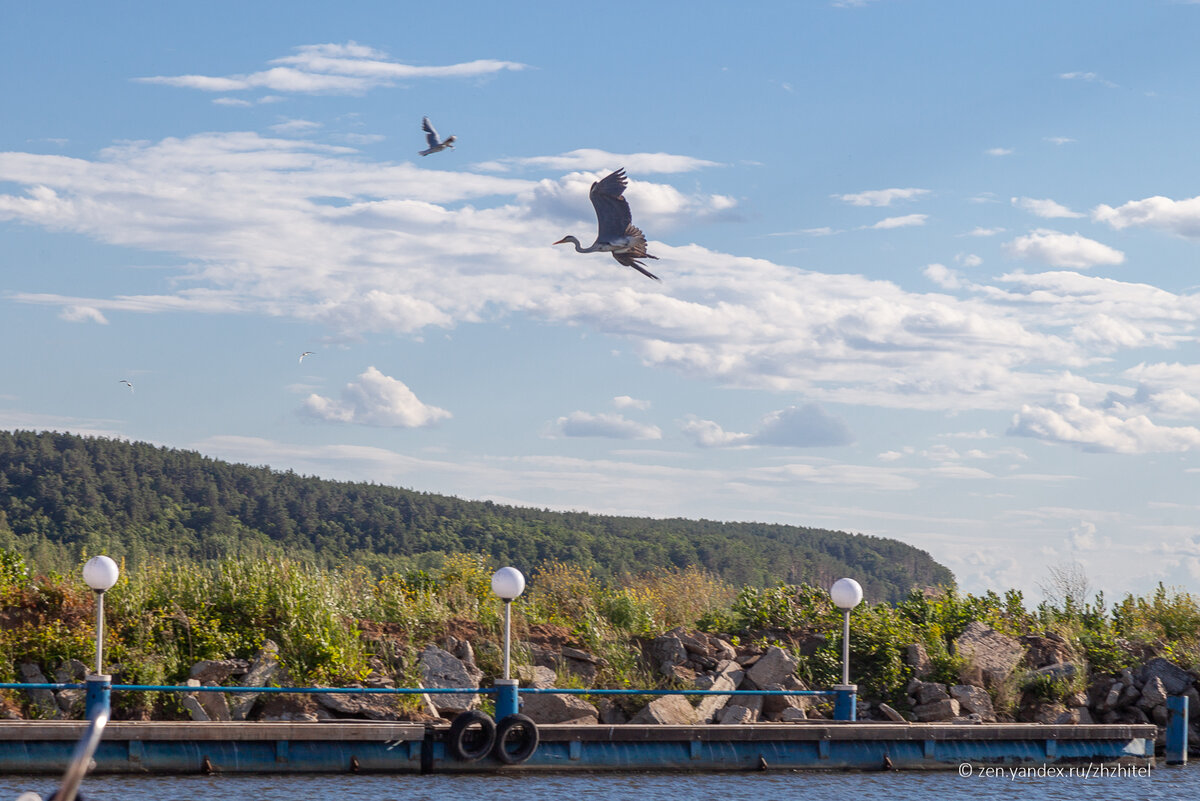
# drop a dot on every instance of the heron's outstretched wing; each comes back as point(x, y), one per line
point(612, 210)
point(431, 136)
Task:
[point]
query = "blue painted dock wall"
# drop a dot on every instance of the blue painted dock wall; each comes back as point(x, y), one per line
point(177, 748)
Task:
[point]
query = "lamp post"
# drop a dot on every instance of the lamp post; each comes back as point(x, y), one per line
point(100, 573)
point(508, 583)
point(846, 594)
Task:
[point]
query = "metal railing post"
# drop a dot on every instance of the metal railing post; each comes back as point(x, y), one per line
point(1177, 730)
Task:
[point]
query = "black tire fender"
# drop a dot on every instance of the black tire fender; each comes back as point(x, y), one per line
point(471, 737)
point(522, 732)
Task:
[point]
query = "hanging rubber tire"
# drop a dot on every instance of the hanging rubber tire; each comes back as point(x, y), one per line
point(521, 733)
point(471, 736)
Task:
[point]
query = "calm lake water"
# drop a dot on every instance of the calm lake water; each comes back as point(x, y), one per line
point(1160, 783)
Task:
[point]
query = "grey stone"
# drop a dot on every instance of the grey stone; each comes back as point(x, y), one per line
point(611, 714)
point(1193, 703)
point(193, 707)
point(945, 709)
point(1153, 694)
point(264, 669)
point(554, 708)
point(667, 710)
point(1175, 679)
point(1048, 713)
point(974, 700)
point(927, 692)
point(365, 705)
point(774, 667)
point(892, 714)
point(773, 706)
point(792, 715)
point(735, 715)
point(45, 705)
point(995, 654)
point(71, 701)
point(728, 676)
point(536, 676)
point(666, 652)
point(1112, 697)
point(215, 705)
point(213, 671)
point(300, 708)
point(442, 669)
point(916, 657)
point(1061, 670)
point(71, 671)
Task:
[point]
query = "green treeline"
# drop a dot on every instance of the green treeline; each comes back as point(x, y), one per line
point(63, 496)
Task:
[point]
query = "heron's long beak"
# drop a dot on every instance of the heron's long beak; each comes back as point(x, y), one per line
point(559, 242)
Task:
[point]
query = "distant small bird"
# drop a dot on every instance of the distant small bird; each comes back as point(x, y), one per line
point(616, 233)
point(126, 383)
point(436, 144)
point(306, 353)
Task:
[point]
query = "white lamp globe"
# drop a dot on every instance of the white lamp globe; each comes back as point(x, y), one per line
point(508, 583)
point(101, 573)
point(846, 593)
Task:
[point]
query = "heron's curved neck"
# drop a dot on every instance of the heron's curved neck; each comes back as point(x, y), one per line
point(578, 247)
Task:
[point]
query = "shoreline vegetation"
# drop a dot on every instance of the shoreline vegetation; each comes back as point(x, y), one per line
point(340, 626)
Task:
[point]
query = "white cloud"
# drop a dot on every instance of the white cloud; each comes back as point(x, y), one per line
point(626, 402)
point(332, 69)
point(295, 126)
point(805, 426)
point(968, 259)
point(375, 399)
point(881, 197)
point(999, 151)
point(1068, 421)
point(1088, 77)
point(1060, 140)
point(901, 222)
point(943, 276)
point(1044, 208)
point(82, 314)
point(613, 426)
point(980, 231)
point(1180, 217)
point(1063, 250)
point(592, 160)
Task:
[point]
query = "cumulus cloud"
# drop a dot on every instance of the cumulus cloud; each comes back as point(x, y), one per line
point(1180, 217)
point(1069, 421)
point(1044, 208)
point(626, 402)
point(347, 68)
point(322, 235)
point(375, 399)
point(881, 197)
point(999, 151)
point(806, 426)
point(901, 222)
point(613, 426)
point(82, 314)
point(943, 276)
point(1063, 250)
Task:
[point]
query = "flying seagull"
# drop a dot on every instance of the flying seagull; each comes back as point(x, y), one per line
point(306, 353)
point(126, 383)
point(436, 144)
point(616, 232)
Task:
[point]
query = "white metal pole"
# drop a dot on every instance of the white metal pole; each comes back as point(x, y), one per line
point(507, 621)
point(845, 646)
point(99, 633)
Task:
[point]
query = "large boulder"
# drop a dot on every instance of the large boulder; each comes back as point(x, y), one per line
point(264, 671)
point(442, 670)
point(1175, 679)
point(974, 701)
point(728, 676)
point(555, 708)
point(666, 651)
point(995, 654)
point(371, 706)
point(44, 704)
point(916, 657)
point(216, 671)
point(945, 709)
point(667, 710)
point(775, 666)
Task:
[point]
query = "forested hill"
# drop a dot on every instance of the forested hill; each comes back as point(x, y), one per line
point(62, 495)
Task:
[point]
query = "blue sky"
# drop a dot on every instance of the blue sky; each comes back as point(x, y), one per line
point(929, 268)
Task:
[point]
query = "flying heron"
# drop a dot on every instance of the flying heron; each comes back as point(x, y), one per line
point(306, 353)
point(436, 144)
point(126, 383)
point(616, 233)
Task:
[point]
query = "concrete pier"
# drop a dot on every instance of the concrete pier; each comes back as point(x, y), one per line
point(354, 746)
